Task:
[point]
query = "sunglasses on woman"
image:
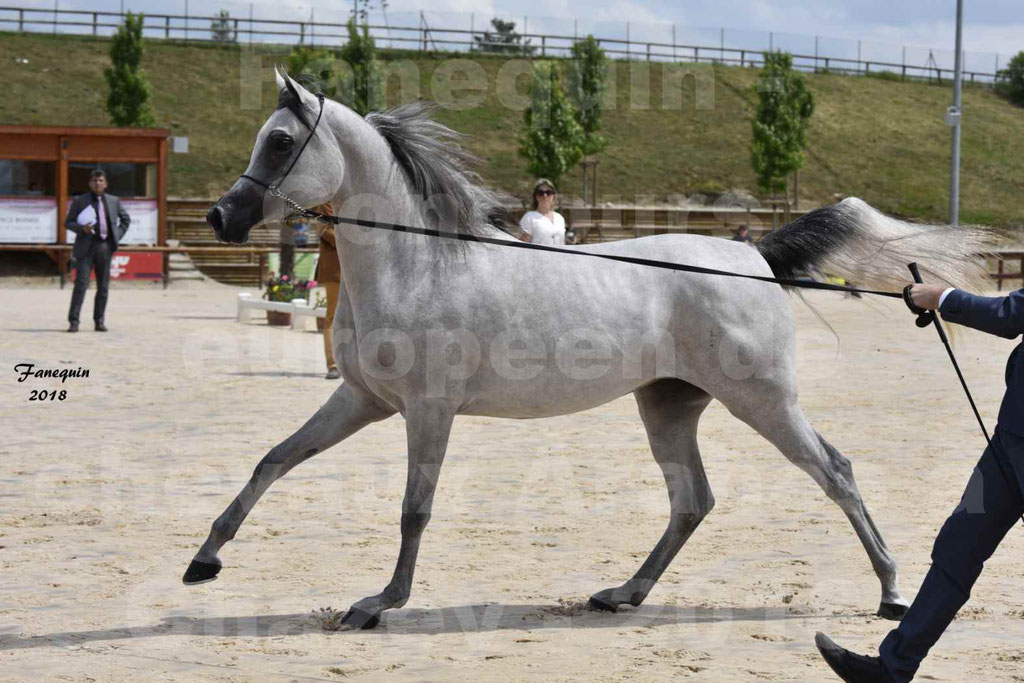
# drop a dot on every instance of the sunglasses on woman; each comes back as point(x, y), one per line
point(546, 193)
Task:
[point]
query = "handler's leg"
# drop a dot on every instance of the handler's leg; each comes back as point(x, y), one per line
point(347, 411)
point(991, 505)
point(332, 304)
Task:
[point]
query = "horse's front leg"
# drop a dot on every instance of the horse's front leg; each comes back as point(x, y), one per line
point(427, 428)
point(348, 410)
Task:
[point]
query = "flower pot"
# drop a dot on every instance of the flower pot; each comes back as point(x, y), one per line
point(321, 323)
point(279, 318)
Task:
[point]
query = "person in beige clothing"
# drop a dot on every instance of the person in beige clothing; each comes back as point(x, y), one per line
point(328, 274)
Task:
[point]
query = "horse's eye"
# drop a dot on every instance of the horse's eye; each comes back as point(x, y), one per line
point(281, 143)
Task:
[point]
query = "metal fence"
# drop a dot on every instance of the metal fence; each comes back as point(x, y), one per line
point(423, 35)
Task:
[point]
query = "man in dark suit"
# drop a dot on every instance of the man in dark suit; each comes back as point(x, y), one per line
point(105, 223)
point(990, 506)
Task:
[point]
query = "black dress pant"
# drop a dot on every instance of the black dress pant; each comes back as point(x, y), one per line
point(990, 507)
point(97, 258)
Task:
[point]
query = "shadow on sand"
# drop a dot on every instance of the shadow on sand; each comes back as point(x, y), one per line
point(462, 619)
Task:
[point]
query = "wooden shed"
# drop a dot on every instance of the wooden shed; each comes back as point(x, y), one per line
point(43, 167)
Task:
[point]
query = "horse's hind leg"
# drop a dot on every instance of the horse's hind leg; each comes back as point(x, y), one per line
point(783, 423)
point(347, 411)
point(670, 409)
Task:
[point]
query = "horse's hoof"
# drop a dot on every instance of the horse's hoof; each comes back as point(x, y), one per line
point(200, 572)
point(892, 611)
point(358, 619)
point(596, 605)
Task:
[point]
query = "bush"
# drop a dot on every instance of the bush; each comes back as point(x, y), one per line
point(1010, 81)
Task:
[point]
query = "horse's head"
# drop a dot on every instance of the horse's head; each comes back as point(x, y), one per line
point(294, 152)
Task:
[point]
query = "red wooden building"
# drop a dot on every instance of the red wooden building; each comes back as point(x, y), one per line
point(43, 167)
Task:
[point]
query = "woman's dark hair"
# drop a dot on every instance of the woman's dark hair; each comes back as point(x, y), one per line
point(539, 185)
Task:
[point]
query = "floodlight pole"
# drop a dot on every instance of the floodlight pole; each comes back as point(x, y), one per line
point(953, 118)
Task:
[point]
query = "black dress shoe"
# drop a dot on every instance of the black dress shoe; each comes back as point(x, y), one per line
point(73, 327)
point(849, 666)
point(100, 327)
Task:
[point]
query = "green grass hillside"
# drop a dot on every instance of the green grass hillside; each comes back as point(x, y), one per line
point(878, 139)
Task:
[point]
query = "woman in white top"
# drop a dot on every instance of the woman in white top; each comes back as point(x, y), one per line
point(543, 225)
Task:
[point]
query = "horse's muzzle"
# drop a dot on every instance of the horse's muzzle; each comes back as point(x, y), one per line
point(236, 213)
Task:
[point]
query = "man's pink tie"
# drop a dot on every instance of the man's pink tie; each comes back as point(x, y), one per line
point(101, 216)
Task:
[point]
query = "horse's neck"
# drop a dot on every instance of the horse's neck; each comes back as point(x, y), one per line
point(374, 188)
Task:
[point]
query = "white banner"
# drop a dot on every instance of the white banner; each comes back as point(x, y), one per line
point(32, 221)
point(145, 214)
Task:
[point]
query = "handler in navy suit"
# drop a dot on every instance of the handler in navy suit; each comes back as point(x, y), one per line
point(95, 243)
point(990, 506)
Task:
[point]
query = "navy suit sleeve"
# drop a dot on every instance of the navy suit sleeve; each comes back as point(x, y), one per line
point(999, 315)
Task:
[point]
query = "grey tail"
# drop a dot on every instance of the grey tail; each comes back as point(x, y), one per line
point(854, 241)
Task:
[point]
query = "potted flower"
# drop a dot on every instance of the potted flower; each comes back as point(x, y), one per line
point(285, 288)
point(320, 302)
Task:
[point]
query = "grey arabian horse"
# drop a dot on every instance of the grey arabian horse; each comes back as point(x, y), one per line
point(433, 328)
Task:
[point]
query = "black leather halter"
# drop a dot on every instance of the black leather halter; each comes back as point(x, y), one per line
point(275, 188)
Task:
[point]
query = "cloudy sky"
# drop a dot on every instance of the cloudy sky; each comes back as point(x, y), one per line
point(992, 27)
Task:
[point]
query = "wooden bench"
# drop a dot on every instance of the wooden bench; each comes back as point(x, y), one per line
point(299, 309)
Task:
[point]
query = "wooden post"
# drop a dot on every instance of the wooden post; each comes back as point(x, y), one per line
point(21, 20)
point(167, 26)
point(263, 266)
point(62, 200)
point(999, 272)
point(161, 193)
point(94, 18)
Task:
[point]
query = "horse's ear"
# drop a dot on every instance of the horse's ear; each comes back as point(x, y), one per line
point(279, 78)
point(300, 92)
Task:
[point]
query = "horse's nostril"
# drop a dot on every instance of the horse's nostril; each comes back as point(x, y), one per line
point(216, 219)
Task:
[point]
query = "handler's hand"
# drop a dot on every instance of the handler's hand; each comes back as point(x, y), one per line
point(926, 296)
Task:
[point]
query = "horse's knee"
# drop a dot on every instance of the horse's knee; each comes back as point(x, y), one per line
point(414, 523)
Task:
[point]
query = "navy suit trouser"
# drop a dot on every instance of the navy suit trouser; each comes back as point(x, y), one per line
point(991, 505)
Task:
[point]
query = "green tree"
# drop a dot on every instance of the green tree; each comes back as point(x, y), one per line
point(128, 98)
point(784, 108)
point(314, 68)
point(361, 86)
point(504, 40)
point(586, 87)
point(552, 139)
point(220, 28)
point(1010, 81)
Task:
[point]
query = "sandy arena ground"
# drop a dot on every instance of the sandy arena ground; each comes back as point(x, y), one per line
point(107, 494)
